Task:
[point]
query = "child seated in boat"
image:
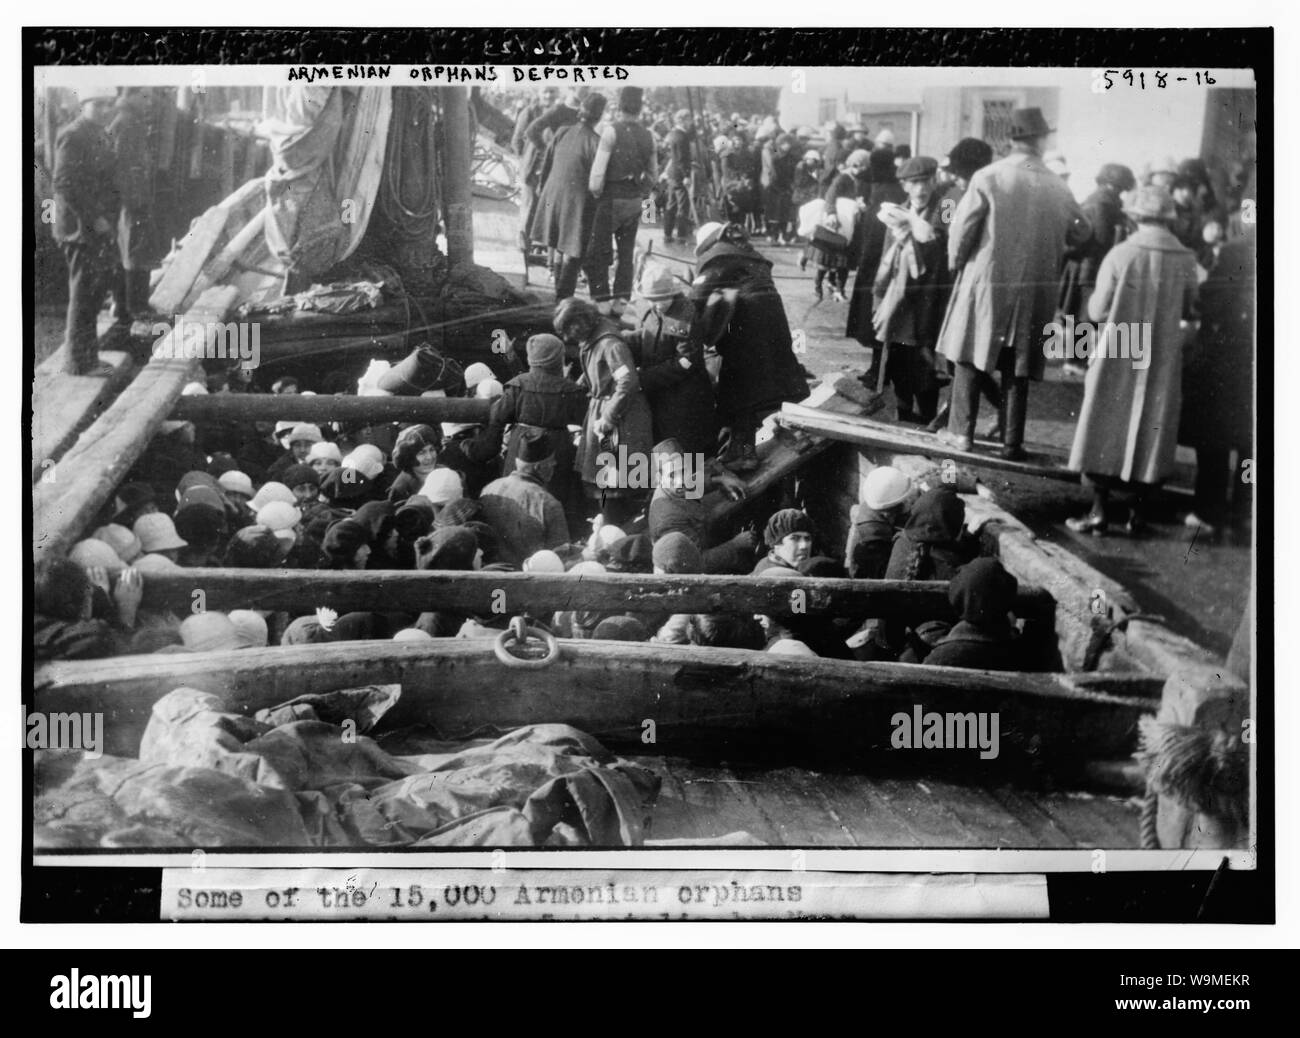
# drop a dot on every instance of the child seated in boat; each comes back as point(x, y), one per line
point(932, 546)
point(66, 627)
point(983, 595)
point(789, 538)
point(886, 495)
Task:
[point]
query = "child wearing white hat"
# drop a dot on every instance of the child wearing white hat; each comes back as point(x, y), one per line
point(157, 535)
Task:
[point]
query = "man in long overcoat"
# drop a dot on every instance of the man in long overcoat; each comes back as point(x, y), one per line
point(1006, 243)
point(85, 214)
point(567, 211)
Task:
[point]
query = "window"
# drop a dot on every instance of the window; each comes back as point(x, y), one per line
point(997, 124)
point(826, 109)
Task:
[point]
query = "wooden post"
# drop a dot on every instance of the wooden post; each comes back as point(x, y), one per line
point(266, 407)
point(458, 204)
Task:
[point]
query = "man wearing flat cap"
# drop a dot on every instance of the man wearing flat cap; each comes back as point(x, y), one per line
point(85, 215)
point(622, 176)
point(1006, 243)
point(911, 289)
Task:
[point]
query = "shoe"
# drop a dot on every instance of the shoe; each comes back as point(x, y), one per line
point(1195, 522)
point(1090, 523)
point(993, 432)
point(1014, 452)
point(817, 292)
point(803, 262)
point(838, 296)
point(1135, 526)
point(956, 441)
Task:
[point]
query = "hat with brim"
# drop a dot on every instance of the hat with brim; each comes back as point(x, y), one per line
point(1151, 203)
point(658, 283)
point(1028, 122)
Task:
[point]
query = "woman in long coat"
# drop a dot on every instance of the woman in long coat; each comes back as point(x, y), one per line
point(1128, 425)
point(614, 448)
point(567, 211)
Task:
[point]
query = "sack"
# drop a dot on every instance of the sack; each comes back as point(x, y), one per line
point(831, 241)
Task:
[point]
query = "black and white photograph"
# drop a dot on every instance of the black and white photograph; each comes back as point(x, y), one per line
point(566, 485)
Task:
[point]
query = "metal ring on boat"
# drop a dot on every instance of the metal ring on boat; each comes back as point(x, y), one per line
point(519, 633)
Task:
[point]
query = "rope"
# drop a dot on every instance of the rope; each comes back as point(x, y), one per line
point(1101, 636)
point(410, 217)
point(1148, 836)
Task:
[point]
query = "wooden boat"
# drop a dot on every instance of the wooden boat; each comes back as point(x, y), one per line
point(790, 751)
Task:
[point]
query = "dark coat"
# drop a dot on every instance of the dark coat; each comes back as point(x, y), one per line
point(85, 181)
point(978, 648)
point(1105, 214)
point(759, 369)
point(566, 210)
point(869, 245)
point(1219, 367)
point(551, 121)
point(680, 161)
point(137, 231)
point(534, 400)
point(680, 397)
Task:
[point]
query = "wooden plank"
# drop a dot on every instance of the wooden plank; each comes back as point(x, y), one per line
point(186, 263)
point(217, 268)
point(89, 473)
point(63, 405)
point(269, 407)
point(609, 689)
point(863, 810)
point(302, 591)
point(789, 450)
point(722, 804)
point(1042, 827)
point(801, 818)
point(864, 432)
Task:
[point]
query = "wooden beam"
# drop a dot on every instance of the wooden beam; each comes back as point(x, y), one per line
point(89, 473)
point(697, 698)
point(268, 407)
point(457, 162)
point(542, 594)
point(787, 451)
point(863, 432)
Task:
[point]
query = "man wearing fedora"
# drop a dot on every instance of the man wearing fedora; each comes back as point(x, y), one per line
point(1006, 244)
point(85, 218)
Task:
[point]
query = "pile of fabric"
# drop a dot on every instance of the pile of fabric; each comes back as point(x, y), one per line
point(303, 775)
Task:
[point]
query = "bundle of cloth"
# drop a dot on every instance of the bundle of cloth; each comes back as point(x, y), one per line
point(304, 774)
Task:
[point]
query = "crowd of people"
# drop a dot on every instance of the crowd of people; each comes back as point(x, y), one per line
point(960, 264)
